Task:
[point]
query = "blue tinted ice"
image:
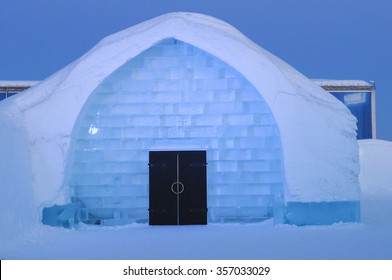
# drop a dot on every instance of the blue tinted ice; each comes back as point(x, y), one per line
point(175, 96)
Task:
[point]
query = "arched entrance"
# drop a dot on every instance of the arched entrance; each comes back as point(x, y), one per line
point(176, 97)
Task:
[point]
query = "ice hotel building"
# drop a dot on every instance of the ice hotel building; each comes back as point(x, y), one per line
point(183, 120)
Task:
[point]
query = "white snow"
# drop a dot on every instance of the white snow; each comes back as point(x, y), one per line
point(17, 209)
point(375, 176)
point(370, 239)
point(376, 180)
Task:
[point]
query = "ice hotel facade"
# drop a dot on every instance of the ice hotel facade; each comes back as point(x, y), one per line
point(183, 120)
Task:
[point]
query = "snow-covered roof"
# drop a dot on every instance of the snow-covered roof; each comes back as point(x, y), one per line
point(344, 85)
point(18, 84)
point(317, 131)
point(341, 83)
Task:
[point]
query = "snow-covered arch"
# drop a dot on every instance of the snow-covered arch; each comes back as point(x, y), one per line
point(317, 132)
point(174, 96)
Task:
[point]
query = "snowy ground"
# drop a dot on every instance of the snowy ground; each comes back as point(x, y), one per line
point(371, 239)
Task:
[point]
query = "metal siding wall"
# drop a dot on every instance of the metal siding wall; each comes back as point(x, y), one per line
point(359, 103)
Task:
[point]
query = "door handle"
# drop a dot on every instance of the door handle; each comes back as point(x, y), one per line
point(177, 191)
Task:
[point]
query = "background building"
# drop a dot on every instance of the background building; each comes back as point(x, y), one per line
point(360, 98)
point(10, 88)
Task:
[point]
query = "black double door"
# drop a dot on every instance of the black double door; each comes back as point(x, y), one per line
point(178, 188)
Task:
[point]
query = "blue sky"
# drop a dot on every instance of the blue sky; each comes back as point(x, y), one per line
point(334, 39)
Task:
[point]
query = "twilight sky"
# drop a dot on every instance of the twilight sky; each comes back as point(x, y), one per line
point(331, 39)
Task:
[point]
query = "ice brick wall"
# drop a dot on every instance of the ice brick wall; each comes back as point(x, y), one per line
point(175, 96)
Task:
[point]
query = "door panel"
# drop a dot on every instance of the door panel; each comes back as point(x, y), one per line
point(178, 188)
point(162, 210)
point(193, 202)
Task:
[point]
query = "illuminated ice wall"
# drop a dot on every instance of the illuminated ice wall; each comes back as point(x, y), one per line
point(175, 96)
